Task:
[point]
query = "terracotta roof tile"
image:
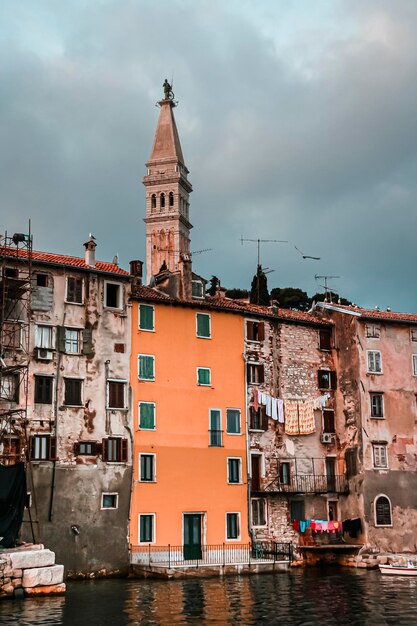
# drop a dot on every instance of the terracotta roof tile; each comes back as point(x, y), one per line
point(61, 259)
point(389, 316)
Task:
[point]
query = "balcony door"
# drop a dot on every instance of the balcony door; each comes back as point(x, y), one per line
point(256, 460)
point(192, 536)
point(331, 473)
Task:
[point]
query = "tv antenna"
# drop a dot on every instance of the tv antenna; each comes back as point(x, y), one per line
point(201, 251)
point(259, 241)
point(326, 288)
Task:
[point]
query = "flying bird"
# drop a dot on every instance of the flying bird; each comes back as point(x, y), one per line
point(307, 256)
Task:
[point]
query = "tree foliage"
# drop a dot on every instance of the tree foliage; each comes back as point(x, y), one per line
point(237, 294)
point(259, 293)
point(214, 283)
point(291, 298)
point(335, 298)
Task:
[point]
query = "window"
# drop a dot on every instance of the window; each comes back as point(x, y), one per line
point(258, 420)
point(119, 348)
point(380, 455)
point(215, 428)
point(325, 339)
point(255, 331)
point(42, 448)
point(153, 201)
point(113, 295)
point(9, 388)
point(86, 448)
point(171, 199)
point(350, 461)
point(382, 511)
point(373, 331)
point(255, 373)
point(162, 200)
point(374, 362)
point(197, 289)
point(109, 500)
point(43, 389)
point(203, 376)
point(413, 334)
point(327, 379)
point(11, 450)
point(284, 473)
point(72, 340)
point(44, 337)
point(73, 388)
point(414, 364)
point(41, 280)
point(147, 467)
point(232, 526)
point(328, 421)
point(147, 528)
point(74, 290)
point(116, 394)
point(234, 470)
point(233, 421)
point(258, 512)
point(203, 325)
point(377, 404)
point(146, 317)
point(146, 367)
point(297, 510)
point(147, 415)
point(11, 335)
point(114, 450)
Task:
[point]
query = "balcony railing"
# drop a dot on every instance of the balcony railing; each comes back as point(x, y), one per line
point(210, 555)
point(308, 483)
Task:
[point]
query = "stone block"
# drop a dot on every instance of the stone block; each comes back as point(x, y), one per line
point(32, 558)
point(17, 582)
point(8, 589)
point(383, 560)
point(41, 576)
point(17, 573)
point(47, 590)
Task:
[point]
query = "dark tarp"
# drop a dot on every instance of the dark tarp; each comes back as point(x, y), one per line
point(12, 502)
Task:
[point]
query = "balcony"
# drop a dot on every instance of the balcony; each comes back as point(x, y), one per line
point(309, 483)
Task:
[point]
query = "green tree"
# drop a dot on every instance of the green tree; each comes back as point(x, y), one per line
point(291, 298)
point(259, 289)
point(214, 283)
point(237, 294)
point(320, 297)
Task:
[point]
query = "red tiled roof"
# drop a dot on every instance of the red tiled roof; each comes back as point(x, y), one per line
point(61, 259)
point(234, 306)
point(388, 316)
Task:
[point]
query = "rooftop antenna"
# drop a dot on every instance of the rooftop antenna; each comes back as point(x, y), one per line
point(201, 251)
point(326, 288)
point(259, 241)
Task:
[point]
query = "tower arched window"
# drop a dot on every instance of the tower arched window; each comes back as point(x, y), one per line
point(162, 200)
point(383, 516)
point(153, 201)
point(171, 199)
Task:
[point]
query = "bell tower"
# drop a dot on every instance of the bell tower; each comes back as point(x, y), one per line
point(167, 197)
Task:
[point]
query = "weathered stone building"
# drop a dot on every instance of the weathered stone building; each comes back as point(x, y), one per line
point(77, 433)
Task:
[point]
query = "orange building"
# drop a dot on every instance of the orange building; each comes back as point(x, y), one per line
point(188, 382)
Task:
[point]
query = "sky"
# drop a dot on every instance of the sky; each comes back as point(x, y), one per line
point(297, 122)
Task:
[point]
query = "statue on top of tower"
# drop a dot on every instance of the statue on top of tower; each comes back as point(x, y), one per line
point(168, 93)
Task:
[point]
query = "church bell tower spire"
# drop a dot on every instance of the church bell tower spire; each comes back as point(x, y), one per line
point(167, 197)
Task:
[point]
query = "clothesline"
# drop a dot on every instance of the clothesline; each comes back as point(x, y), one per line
point(351, 526)
point(297, 415)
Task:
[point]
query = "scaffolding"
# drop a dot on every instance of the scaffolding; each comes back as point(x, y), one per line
point(15, 308)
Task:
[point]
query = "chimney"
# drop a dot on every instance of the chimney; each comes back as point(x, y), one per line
point(136, 271)
point(90, 251)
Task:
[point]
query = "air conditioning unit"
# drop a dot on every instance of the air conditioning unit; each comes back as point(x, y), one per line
point(326, 438)
point(45, 355)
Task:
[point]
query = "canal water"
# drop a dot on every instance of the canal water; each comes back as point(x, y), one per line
point(316, 597)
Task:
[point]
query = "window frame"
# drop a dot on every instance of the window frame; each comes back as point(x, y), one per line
point(373, 331)
point(377, 448)
point(325, 419)
point(413, 334)
point(414, 364)
point(263, 418)
point(382, 495)
point(148, 306)
point(11, 384)
point(117, 381)
point(368, 364)
point(285, 476)
point(202, 368)
point(153, 468)
point(258, 516)
point(121, 445)
point(153, 360)
point(81, 390)
point(215, 434)
point(50, 443)
point(76, 278)
point(239, 464)
point(140, 402)
point(238, 526)
point(81, 442)
point(109, 493)
point(119, 306)
point(205, 315)
point(51, 340)
point(373, 413)
point(79, 340)
point(36, 378)
point(325, 339)
point(201, 288)
point(153, 528)
point(259, 370)
point(239, 422)
point(332, 379)
point(257, 334)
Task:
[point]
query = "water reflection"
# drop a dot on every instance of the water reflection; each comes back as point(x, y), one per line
point(313, 597)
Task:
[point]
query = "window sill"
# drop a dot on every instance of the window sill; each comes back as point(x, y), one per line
point(257, 430)
point(201, 337)
point(72, 406)
point(377, 417)
point(254, 341)
point(146, 380)
point(207, 386)
point(149, 430)
point(147, 482)
point(240, 483)
point(116, 408)
point(146, 330)
point(374, 373)
point(76, 303)
point(234, 434)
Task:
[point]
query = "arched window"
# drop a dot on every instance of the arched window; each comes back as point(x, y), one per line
point(171, 199)
point(162, 201)
point(382, 511)
point(153, 201)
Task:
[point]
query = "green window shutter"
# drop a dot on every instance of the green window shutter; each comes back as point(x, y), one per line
point(146, 367)
point(146, 317)
point(87, 341)
point(233, 421)
point(146, 415)
point(203, 325)
point(203, 376)
point(61, 338)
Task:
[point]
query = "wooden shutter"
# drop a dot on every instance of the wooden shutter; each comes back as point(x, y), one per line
point(261, 331)
point(261, 374)
point(32, 447)
point(264, 418)
point(325, 339)
point(60, 338)
point(333, 380)
point(104, 449)
point(87, 341)
point(249, 330)
point(77, 448)
point(123, 450)
point(328, 421)
point(52, 448)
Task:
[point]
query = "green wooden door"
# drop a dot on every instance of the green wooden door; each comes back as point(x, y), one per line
point(192, 536)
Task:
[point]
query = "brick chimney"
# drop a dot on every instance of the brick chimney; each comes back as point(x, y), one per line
point(90, 251)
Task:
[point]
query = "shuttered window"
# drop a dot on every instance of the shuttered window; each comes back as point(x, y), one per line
point(258, 512)
point(146, 317)
point(42, 448)
point(284, 473)
point(374, 362)
point(43, 389)
point(255, 373)
point(73, 388)
point(114, 450)
point(258, 419)
point(203, 325)
point(328, 421)
point(147, 415)
point(327, 379)
point(255, 331)
point(232, 526)
point(116, 394)
point(383, 512)
point(74, 290)
point(146, 528)
point(203, 376)
point(146, 366)
point(380, 455)
point(350, 460)
point(325, 338)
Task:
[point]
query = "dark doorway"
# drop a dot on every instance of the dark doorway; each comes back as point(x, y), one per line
point(331, 473)
point(192, 536)
point(256, 472)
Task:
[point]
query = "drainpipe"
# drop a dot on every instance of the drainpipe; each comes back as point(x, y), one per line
point(106, 378)
point(58, 365)
point(248, 474)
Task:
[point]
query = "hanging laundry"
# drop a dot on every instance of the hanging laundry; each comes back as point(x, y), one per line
point(302, 526)
point(274, 409)
point(291, 417)
point(296, 524)
point(280, 409)
point(306, 417)
point(268, 405)
point(255, 399)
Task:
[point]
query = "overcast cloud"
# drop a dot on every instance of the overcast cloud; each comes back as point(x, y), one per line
point(297, 121)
